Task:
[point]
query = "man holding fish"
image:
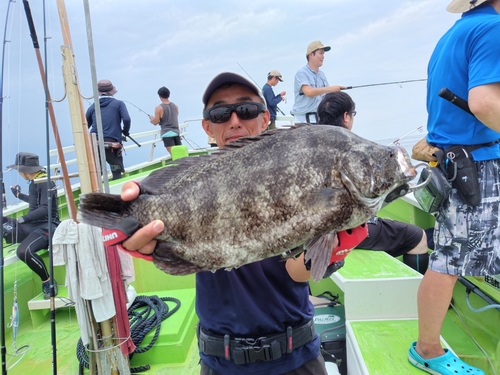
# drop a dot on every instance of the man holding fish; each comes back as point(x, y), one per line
point(268, 299)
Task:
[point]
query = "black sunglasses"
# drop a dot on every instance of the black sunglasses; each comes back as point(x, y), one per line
point(245, 111)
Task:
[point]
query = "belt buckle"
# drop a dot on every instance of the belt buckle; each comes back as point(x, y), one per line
point(253, 350)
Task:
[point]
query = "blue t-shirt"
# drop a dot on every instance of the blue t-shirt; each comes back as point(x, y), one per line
point(272, 100)
point(305, 104)
point(468, 55)
point(255, 300)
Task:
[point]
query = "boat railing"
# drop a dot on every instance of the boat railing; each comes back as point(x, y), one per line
point(150, 137)
point(284, 121)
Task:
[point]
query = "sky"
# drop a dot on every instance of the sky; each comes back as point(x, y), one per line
point(143, 45)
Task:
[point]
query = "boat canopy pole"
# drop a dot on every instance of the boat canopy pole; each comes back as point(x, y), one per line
point(2, 281)
point(97, 107)
point(60, 153)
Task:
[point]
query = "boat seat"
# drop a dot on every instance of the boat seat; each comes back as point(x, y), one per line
point(377, 286)
point(368, 339)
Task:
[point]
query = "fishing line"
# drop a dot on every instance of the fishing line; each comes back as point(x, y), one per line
point(126, 101)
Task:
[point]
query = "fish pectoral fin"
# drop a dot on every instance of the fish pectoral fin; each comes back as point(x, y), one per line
point(321, 198)
point(166, 260)
point(319, 252)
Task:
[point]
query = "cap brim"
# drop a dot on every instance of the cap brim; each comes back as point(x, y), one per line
point(24, 169)
point(226, 78)
point(462, 6)
point(280, 79)
point(327, 48)
point(112, 92)
point(11, 167)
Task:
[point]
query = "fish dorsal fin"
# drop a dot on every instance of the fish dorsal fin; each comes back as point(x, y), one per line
point(245, 141)
point(156, 180)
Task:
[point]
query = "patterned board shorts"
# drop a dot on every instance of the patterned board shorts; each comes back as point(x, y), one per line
point(467, 239)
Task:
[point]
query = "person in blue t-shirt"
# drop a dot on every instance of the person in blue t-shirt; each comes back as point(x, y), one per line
point(465, 61)
point(272, 100)
point(265, 302)
point(113, 113)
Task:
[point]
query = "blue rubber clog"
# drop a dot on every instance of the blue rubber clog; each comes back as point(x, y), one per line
point(446, 364)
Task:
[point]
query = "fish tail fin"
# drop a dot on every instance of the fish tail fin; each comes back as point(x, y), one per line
point(319, 252)
point(103, 210)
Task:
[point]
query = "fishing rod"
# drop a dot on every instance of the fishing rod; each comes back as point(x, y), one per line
point(132, 139)
point(49, 192)
point(385, 83)
point(50, 108)
point(381, 84)
point(457, 100)
point(278, 108)
point(2, 284)
point(147, 114)
point(396, 141)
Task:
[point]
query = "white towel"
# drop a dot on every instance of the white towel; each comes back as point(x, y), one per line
point(80, 247)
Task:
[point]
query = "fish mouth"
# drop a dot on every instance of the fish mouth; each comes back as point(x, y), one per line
point(407, 169)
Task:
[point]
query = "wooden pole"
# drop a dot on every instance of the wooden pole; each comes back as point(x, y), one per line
point(85, 159)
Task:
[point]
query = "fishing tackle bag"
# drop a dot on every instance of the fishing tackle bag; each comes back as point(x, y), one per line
point(456, 164)
point(461, 170)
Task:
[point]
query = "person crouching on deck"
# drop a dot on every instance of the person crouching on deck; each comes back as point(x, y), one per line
point(32, 229)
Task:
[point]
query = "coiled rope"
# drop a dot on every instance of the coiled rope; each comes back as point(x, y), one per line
point(145, 314)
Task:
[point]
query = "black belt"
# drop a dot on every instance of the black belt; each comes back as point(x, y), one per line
point(308, 117)
point(247, 350)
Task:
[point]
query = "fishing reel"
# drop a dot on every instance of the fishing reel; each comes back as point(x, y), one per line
point(405, 189)
point(9, 230)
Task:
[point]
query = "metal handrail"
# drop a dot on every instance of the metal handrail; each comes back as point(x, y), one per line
point(136, 136)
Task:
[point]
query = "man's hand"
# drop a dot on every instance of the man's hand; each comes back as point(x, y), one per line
point(336, 88)
point(144, 239)
point(16, 190)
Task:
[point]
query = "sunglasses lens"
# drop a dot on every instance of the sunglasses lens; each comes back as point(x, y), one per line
point(220, 114)
point(247, 111)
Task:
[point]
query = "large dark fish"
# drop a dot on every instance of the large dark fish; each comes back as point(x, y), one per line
point(259, 197)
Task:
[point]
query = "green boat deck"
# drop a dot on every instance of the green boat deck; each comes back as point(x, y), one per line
point(378, 293)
